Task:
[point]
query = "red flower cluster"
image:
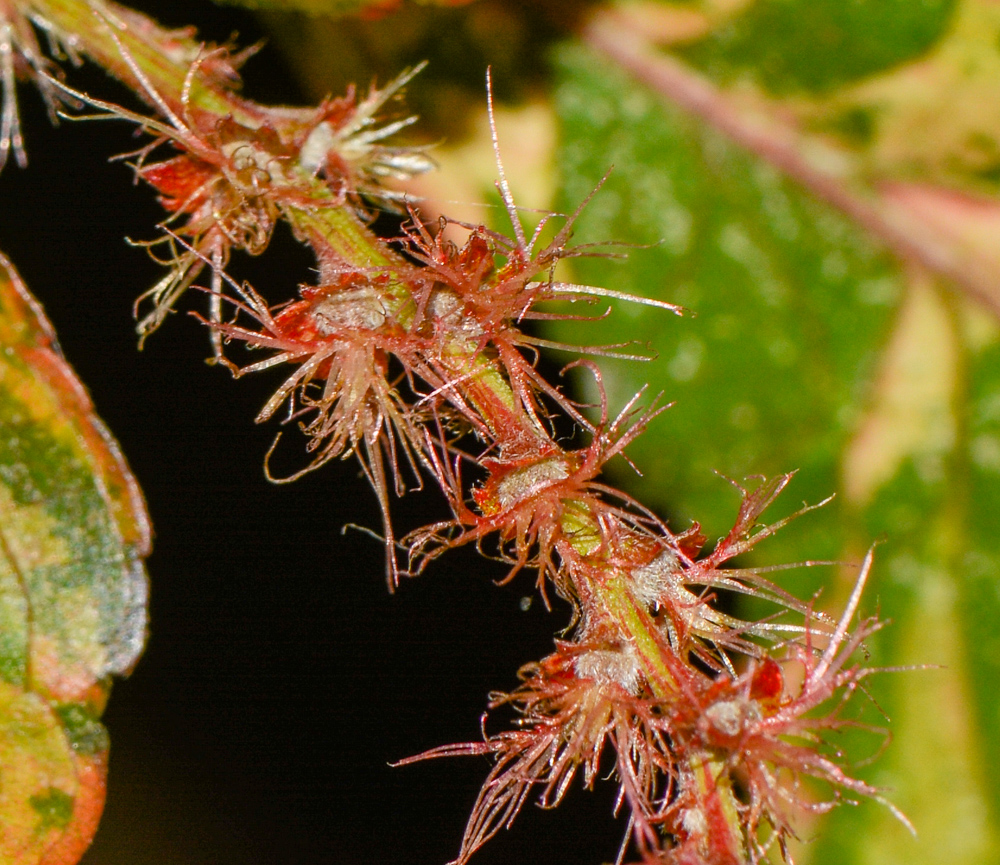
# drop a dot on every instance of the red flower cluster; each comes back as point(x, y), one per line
point(414, 357)
point(677, 754)
point(239, 172)
point(394, 359)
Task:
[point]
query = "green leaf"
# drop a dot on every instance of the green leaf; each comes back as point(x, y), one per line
point(812, 348)
point(978, 564)
point(791, 302)
point(908, 477)
point(818, 45)
point(73, 533)
point(909, 123)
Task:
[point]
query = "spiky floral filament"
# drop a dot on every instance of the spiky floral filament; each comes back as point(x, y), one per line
point(232, 178)
point(676, 756)
point(342, 335)
point(678, 585)
point(768, 736)
point(571, 705)
point(95, 28)
point(529, 502)
point(347, 149)
point(21, 57)
point(493, 283)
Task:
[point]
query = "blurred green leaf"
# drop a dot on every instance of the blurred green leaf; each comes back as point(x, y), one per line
point(930, 120)
point(73, 532)
point(812, 348)
point(923, 460)
point(819, 45)
point(791, 302)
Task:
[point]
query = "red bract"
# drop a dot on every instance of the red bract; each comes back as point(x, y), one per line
point(678, 585)
point(226, 185)
point(677, 753)
point(226, 195)
point(768, 738)
point(476, 298)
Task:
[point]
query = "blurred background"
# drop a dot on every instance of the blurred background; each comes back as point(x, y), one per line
point(831, 222)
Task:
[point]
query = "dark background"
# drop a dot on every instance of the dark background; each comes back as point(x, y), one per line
point(280, 677)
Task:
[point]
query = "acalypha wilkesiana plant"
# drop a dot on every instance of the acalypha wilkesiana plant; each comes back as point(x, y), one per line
point(415, 355)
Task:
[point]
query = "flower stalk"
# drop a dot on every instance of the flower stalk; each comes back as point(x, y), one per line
point(412, 355)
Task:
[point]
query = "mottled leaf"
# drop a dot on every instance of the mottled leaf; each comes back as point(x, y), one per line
point(813, 347)
point(917, 472)
point(73, 533)
point(791, 301)
point(907, 122)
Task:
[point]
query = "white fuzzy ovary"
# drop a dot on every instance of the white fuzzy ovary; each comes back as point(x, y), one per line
point(349, 309)
point(731, 717)
point(610, 666)
point(523, 483)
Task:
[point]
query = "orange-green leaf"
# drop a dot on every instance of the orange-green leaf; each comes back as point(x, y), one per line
point(73, 534)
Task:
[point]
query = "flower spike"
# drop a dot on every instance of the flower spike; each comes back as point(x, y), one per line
point(416, 357)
